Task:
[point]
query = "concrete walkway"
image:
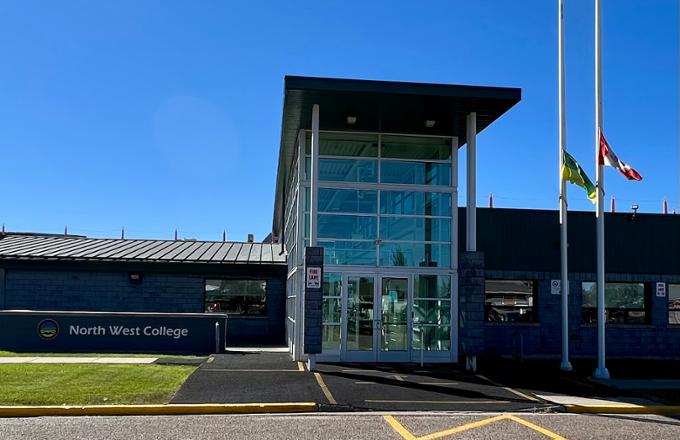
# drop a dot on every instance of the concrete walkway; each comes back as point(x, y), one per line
point(76, 360)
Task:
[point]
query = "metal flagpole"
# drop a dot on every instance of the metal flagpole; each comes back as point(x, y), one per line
point(565, 365)
point(601, 371)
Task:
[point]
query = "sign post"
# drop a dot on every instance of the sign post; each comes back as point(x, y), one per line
point(313, 301)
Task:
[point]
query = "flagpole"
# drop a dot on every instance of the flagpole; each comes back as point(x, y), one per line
point(565, 364)
point(601, 371)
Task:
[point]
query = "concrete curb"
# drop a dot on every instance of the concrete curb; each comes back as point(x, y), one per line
point(623, 409)
point(146, 410)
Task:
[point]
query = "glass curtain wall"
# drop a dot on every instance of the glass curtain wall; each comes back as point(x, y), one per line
point(368, 213)
point(384, 203)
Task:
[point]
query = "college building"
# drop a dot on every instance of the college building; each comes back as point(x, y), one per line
point(369, 171)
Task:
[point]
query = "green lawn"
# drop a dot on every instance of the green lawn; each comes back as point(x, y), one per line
point(156, 355)
point(89, 384)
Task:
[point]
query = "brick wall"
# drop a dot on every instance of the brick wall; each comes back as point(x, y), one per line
point(85, 290)
point(543, 339)
point(471, 303)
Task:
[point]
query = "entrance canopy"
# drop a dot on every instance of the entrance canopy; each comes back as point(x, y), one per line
point(382, 106)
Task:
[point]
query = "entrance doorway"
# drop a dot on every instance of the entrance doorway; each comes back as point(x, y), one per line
point(376, 316)
point(388, 317)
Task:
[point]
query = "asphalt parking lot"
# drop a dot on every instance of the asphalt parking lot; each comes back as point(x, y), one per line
point(345, 426)
point(273, 377)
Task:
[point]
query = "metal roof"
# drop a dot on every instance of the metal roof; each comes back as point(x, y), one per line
point(382, 106)
point(25, 247)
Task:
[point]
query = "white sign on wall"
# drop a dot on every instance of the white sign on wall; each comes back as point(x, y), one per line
point(661, 290)
point(313, 277)
point(555, 287)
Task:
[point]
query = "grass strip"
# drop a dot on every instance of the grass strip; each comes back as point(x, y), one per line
point(89, 384)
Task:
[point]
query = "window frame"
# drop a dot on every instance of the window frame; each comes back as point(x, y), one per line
point(265, 310)
point(668, 304)
point(647, 309)
point(533, 308)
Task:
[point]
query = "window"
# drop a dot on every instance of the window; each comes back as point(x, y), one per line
point(674, 303)
point(432, 313)
point(332, 288)
point(510, 300)
point(236, 297)
point(624, 303)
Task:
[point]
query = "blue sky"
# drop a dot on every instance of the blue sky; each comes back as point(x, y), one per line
point(161, 114)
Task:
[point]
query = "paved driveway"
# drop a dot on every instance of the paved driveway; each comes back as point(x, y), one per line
point(273, 377)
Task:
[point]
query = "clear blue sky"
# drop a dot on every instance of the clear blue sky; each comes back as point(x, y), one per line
point(164, 114)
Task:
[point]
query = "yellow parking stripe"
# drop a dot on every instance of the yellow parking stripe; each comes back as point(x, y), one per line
point(407, 435)
point(461, 428)
point(325, 389)
point(399, 428)
point(301, 366)
point(537, 428)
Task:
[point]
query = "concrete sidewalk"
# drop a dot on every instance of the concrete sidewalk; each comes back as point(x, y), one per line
point(76, 360)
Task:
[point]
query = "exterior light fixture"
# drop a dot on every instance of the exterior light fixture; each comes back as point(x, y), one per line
point(429, 123)
point(351, 119)
point(135, 277)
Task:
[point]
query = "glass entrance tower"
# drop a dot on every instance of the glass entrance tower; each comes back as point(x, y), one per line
point(368, 170)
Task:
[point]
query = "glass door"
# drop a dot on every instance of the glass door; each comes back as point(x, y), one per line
point(360, 318)
point(393, 319)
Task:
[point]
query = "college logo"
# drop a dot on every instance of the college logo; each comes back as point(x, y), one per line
point(48, 329)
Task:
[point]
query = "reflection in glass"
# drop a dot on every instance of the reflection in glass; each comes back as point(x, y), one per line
point(236, 296)
point(394, 306)
point(436, 337)
point(431, 311)
point(415, 173)
point(415, 229)
point(360, 313)
point(509, 300)
point(348, 200)
point(347, 226)
point(410, 147)
point(347, 170)
point(331, 310)
point(432, 286)
point(624, 302)
point(415, 203)
point(415, 254)
point(349, 252)
point(674, 303)
point(345, 144)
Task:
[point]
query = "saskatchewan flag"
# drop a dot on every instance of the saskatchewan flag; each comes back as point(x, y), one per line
point(572, 172)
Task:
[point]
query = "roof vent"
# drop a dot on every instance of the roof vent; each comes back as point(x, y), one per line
point(251, 238)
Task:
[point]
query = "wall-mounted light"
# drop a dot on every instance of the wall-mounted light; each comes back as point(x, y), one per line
point(135, 277)
point(351, 119)
point(429, 123)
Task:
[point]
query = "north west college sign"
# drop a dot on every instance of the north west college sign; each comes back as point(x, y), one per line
point(38, 331)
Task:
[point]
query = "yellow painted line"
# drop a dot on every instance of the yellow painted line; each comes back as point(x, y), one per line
point(521, 394)
point(399, 428)
point(536, 428)
point(624, 409)
point(301, 366)
point(466, 427)
point(513, 391)
point(245, 370)
point(325, 389)
point(407, 435)
point(436, 401)
point(364, 383)
point(170, 409)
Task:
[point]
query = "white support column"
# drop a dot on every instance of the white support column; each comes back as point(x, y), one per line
point(471, 211)
point(313, 202)
point(454, 250)
point(299, 250)
point(314, 189)
point(601, 371)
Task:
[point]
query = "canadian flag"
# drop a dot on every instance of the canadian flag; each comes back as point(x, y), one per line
point(607, 157)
